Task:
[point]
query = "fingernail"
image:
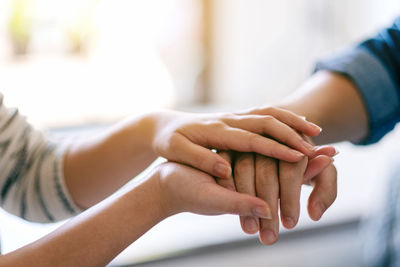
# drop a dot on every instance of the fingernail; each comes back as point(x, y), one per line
point(311, 123)
point(336, 151)
point(263, 212)
point(250, 224)
point(268, 236)
point(223, 170)
point(297, 154)
point(316, 127)
point(289, 222)
point(308, 145)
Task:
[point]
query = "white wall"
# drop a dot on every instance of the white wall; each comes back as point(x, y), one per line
point(263, 49)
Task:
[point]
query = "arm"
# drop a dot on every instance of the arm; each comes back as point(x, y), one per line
point(99, 234)
point(353, 96)
point(330, 100)
point(360, 103)
point(95, 167)
point(43, 180)
point(334, 102)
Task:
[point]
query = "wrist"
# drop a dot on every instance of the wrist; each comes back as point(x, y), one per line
point(153, 197)
point(138, 134)
point(163, 193)
point(169, 203)
point(152, 122)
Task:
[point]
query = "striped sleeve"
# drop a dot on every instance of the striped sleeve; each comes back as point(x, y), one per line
point(32, 183)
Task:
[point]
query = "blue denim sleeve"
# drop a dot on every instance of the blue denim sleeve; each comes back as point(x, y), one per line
point(374, 67)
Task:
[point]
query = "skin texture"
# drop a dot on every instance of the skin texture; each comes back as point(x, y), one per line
point(97, 166)
point(96, 236)
point(329, 100)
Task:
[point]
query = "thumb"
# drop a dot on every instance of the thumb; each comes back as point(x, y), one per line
point(200, 157)
point(220, 200)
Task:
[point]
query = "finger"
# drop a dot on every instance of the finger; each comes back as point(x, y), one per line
point(227, 183)
point(270, 126)
point(267, 188)
point(290, 118)
point(329, 151)
point(244, 182)
point(199, 157)
point(219, 200)
point(324, 193)
point(229, 138)
point(315, 166)
point(290, 181)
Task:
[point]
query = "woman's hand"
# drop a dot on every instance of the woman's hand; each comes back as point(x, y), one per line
point(188, 138)
point(184, 189)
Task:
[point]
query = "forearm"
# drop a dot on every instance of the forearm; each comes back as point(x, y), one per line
point(95, 168)
point(333, 102)
point(96, 236)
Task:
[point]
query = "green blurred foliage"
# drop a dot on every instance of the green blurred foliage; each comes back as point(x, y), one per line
point(20, 25)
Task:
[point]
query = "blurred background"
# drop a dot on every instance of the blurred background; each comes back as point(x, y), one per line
point(71, 66)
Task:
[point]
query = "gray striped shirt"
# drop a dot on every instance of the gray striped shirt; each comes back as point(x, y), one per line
point(32, 183)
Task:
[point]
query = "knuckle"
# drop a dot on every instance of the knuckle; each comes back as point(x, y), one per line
point(235, 207)
point(286, 172)
point(270, 110)
point(243, 186)
point(265, 165)
point(269, 118)
point(229, 117)
point(217, 124)
point(243, 164)
point(173, 143)
point(267, 182)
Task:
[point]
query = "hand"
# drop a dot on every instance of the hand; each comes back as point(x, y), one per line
point(188, 138)
point(185, 189)
point(258, 175)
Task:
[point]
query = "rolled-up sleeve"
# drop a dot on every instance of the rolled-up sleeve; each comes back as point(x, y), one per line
point(373, 66)
point(32, 182)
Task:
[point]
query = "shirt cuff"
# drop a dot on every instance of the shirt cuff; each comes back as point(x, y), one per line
point(375, 86)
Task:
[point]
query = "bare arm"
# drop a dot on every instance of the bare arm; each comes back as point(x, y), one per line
point(95, 237)
point(333, 102)
point(99, 234)
point(95, 167)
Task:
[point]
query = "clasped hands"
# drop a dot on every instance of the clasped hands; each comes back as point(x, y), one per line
point(264, 157)
point(279, 184)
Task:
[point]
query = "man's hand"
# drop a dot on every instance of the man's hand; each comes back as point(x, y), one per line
point(279, 184)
